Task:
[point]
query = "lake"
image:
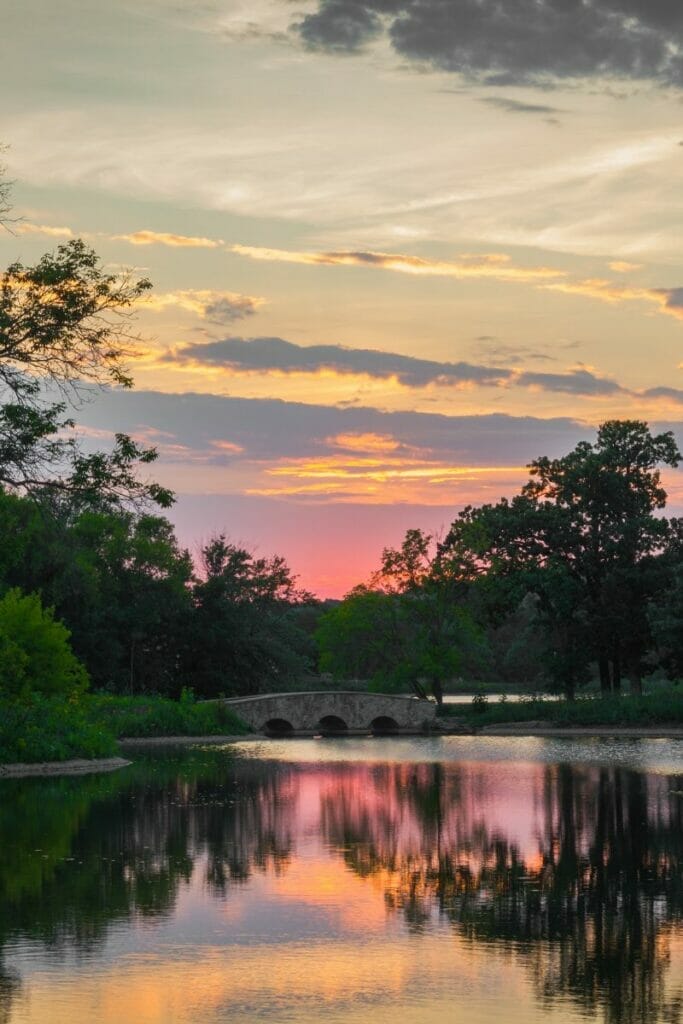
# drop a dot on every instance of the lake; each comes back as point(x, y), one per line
point(402, 880)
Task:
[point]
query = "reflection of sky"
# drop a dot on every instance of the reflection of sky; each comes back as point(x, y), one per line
point(311, 939)
point(651, 755)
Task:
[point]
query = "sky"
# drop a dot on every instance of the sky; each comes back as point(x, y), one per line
point(399, 248)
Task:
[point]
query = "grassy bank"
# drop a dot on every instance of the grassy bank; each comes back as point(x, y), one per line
point(52, 729)
point(662, 707)
point(157, 716)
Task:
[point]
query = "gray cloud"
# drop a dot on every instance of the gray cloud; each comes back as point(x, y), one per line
point(672, 394)
point(518, 42)
point(576, 382)
point(264, 354)
point(277, 354)
point(511, 106)
point(227, 310)
point(272, 429)
point(490, 348)
point(673, 297)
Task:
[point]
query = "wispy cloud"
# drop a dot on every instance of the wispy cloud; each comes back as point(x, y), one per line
point(219, 307)
point(512, 106)
point(277, 356)
point(667, 300)
point(367, 442)
point(145, 237)
point(24, 227)
point(267, 355)
point(577, 382)
point(624, 266)
point(497, 266)
point(352, 477)
point(141, 238)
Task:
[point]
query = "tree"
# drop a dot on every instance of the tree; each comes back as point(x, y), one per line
point(241, 636)
point(65, 328)
point(125, 590)
point(583, 536)
point(408, 628)
point(357, 638)
point(35, 656)
point(117, 578)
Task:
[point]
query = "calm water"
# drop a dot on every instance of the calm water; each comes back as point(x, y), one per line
point(406, 881)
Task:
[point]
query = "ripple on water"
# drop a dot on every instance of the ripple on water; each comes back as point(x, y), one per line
point(646, 754)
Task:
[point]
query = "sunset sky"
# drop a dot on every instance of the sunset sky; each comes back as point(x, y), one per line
point(399, 247)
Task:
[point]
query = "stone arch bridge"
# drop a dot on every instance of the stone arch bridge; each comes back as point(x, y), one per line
point(333, 713)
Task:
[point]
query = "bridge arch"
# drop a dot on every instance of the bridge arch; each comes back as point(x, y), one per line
point(332, 725)
point(277, 727)
point(384, 725)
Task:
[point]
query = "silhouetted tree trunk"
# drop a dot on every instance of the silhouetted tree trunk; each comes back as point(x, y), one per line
point(616, 670)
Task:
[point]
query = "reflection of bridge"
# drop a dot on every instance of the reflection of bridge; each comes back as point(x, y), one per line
point(333, 712)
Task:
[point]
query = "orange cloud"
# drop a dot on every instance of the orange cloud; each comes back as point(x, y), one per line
point(488, 265)
point(623, 266)
point(392, 478)
point(364, 442)
point(205, 303)
point(146, 237)
point(495, 266)
point(26, 228)
point(668, 300)
point(227, 446)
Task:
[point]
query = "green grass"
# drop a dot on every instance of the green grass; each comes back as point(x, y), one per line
point(51, 729)
point(57, 729)
point(663, 707)
point(158, 716)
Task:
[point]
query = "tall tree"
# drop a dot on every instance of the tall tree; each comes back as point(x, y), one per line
point(408, 627)
point(242, 637)
point(583, 535)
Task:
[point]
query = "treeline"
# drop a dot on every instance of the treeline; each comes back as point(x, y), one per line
point(578, 577)
point(143, 617)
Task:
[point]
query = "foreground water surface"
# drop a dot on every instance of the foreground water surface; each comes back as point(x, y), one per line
point(460, 879)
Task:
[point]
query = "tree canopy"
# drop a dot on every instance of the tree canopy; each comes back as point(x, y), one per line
point(408, 628)
point(585, 537)
point(66, 328)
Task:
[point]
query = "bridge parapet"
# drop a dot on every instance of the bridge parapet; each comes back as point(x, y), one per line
point(333, 712)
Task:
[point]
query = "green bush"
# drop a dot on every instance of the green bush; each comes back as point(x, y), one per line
point(158, 716)
point(50, 729)
point(35, 655)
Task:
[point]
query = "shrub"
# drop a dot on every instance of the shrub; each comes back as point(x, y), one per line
point(158, 716)
point(35, 655)
point(50, 729)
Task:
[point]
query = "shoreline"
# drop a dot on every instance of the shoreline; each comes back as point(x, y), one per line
point(82, 766)
point(74, 766)
point(643, 732)
point(158, 741)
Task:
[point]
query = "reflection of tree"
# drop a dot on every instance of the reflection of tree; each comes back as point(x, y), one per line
point(9, 987)
point(591, 910)
point(79, 854)
point(587, 892)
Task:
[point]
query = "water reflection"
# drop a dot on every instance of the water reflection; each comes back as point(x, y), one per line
point(591, 896)
point(572, 872)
